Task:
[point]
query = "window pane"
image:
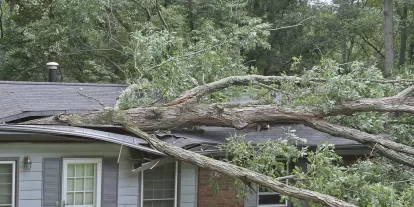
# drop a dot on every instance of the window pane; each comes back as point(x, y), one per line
point(169, 175)
point(79, 184)
point(5, 178)
point(170, 166)
point(270, 199)
point(88, 198)
point(5, 199)
point(157, 204)
point(158, 194)
point(78, 198)
point(69, 198)
point(147, 203)
point(5, 189)
point(6, 168)
point(71, 170)
point(159, 185)
point(157, 175)
point(80, 168)
point(89, 184)
point(148, 194)
point(148, 185)
point(167, 203)
point(168, 193)
point(70, 184)
point(90, 169)
point(169, 184)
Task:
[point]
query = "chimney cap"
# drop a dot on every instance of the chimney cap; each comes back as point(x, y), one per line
point(52, 64)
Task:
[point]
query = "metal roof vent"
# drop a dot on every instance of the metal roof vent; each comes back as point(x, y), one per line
point(52, 67)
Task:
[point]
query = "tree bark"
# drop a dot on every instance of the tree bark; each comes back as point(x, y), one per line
point(388, 37)
point(403, 37)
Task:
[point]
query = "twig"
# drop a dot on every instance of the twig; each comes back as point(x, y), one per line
point(285, 177)
point(157, 6)
point(184, 56)
point(120, 150)
point(296, 25)
point(155, 164)
point(373, 148)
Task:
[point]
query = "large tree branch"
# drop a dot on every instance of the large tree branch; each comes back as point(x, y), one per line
point(391, 104)
point(398, 152)
point(196, 93)
point(159, 118)
point(236, 171)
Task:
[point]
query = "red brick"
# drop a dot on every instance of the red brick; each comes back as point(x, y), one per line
point(208, 198)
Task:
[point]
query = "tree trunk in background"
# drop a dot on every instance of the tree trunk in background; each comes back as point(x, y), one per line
point(191, 15)
point(388, 37)
point(344, 51)
point(403, 29)
point(411, 52)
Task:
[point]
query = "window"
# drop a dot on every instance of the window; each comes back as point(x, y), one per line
point(159, 184)
point(82, 182)
point(7, 183)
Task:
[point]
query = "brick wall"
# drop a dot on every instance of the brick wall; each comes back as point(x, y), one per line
point(208, 198)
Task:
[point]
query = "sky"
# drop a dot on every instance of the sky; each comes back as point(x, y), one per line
point(322, 1)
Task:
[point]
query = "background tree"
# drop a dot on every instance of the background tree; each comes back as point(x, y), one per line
point(389, 36)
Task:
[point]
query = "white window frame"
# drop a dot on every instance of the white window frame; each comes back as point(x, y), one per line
point(175, 183)
point(98, 162)
point(13, 194)
point(272, 193)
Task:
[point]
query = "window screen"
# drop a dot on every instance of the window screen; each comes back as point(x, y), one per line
point(7, 184)
point(159, 186)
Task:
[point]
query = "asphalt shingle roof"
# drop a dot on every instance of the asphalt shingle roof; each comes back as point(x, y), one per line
point(22, 99)
point(215, 135)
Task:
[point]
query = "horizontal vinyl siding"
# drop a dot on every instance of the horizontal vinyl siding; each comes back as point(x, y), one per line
point(30, 182)
point(128, 182)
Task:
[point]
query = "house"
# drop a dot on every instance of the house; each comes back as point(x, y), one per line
point(103, 166)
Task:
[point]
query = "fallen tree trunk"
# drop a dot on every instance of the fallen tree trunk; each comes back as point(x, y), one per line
point(246, 175)
point(159, 118)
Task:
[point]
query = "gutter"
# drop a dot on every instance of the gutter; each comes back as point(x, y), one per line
point(128, 141)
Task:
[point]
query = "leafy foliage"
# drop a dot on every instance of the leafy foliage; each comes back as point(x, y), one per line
point(367, 182)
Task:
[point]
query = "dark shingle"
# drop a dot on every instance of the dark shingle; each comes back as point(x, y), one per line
point(219, 135)
point(22, 99)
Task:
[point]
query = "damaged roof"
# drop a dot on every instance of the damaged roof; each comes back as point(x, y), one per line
point(25, 99)
point(7, 130)
point(216, 135)
point(35, 99)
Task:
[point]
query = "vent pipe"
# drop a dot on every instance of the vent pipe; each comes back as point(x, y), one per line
point(52, 67)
